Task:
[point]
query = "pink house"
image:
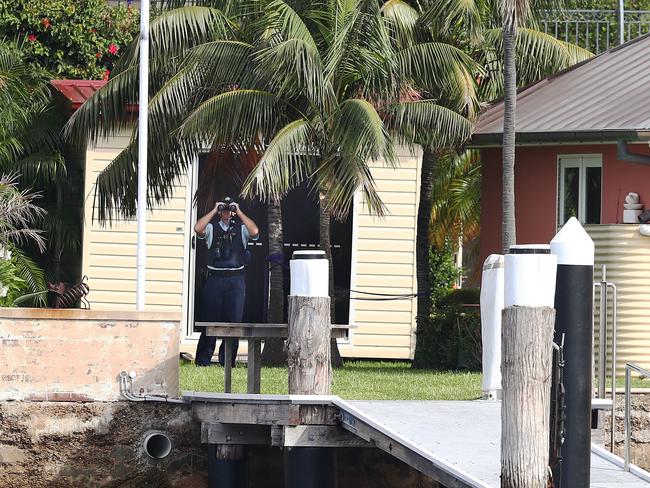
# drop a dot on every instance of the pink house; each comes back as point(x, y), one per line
point(583, 139)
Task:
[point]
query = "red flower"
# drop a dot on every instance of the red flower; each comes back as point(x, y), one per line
point(45, 22)
point(112, 48)
point(98, 55)
point(107, 73)
point(31, 38)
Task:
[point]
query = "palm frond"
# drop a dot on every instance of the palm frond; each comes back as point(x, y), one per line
point(443, 71)
point(358, 132)
point(538, 55)
point(402, 20)
point(177, 30)
point(41, 168)
point(29, 271)
point(442, 16)
point(426, 123)
point(284, 164)
point(107, 111)
point(231, 118)
point(293, 68)
point(340, 178)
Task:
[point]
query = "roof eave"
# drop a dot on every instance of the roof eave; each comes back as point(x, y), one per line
point(537, 138)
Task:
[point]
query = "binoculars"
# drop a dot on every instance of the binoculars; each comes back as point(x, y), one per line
point(227, 206)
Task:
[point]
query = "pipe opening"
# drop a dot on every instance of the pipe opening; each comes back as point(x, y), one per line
point(157, 445)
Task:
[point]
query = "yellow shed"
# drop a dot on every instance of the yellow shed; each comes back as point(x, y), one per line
point(382, 254)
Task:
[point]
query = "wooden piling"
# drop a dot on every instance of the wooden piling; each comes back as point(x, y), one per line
point(308, 346)
point(527, 338)
point(310, 373)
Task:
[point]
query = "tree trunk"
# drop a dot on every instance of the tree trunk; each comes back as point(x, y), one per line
point(308, 348)
point(422, 248)
point(325, 244)
point(527, 334)
point(58, 238)
point(508, 230)
point(274, 353)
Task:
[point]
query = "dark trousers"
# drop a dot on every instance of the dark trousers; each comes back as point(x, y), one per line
point(222, 300)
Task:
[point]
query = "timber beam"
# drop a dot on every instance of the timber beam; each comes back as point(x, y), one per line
point(279, 435)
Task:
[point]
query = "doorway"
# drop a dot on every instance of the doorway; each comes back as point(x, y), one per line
point(300, 227)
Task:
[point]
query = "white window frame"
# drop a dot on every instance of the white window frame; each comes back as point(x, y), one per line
point(581, 161)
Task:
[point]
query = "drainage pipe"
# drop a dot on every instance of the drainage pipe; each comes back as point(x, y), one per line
point(623, 153)
point(126, 389)
point(157, 445)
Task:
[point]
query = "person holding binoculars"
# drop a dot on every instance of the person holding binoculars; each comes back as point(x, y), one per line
point(224, 291)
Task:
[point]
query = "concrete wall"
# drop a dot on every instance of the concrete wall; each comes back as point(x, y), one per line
point(536, 182)
point(77, 355)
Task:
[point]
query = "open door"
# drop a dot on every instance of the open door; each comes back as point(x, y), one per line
point(206, 186)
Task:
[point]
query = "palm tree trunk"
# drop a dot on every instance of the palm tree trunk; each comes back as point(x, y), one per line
point(274, 353)
point(58, 238)
point(422, 248)
point(325, 244)
point(508, 230)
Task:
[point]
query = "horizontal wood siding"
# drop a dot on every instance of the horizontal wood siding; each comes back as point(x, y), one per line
point(384, 262)
point(109, 252)
point(626, 254)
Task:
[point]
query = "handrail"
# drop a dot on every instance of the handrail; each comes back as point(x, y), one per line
point(628, 420)
point(604, 285)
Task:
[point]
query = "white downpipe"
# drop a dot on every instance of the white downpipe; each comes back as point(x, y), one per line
point(143, 120)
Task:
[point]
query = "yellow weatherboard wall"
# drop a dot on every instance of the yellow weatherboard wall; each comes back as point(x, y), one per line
point(109, 252)
point(384, 262)
point(383, 256)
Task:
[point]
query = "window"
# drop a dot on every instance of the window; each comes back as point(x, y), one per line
point(580, 188)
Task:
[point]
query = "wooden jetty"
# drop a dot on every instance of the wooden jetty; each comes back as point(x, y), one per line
point(454, 442)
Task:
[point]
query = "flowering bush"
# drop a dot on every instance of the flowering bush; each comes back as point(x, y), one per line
point(71, 38)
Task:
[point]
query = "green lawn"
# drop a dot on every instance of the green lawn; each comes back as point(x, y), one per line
point(358, 380)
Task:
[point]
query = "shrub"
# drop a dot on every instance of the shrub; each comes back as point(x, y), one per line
point(70, 38)
point(452, 339)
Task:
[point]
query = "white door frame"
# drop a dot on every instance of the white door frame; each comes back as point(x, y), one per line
point(189, 259)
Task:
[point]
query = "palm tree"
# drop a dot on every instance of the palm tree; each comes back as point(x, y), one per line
point(19, 276)
point(318, 90)
point(474, 27)
point(503, 38)
point(197, 52)
point(31, 151)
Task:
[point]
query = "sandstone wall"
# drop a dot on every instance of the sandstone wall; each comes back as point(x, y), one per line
point(77, 355)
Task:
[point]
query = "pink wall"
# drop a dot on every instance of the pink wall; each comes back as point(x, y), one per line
point(536, 190)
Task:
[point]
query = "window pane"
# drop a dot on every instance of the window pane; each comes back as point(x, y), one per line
point(592, 191)
point(571, 192)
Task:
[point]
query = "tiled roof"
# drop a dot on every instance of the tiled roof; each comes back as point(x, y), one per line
point(77, 91)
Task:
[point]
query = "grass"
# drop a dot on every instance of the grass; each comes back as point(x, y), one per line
point(357, 380)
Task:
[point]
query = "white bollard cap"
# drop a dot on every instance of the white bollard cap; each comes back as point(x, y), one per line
point(572, 245)
point(529, 276)
point(309, 274)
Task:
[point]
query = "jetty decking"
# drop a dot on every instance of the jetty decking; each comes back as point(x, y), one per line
point(454, 442)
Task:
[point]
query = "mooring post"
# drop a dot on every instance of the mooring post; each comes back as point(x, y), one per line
point(574, 318)
point(527, 341)
point(491, 312)
point(227, 466)
point(309, 361)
